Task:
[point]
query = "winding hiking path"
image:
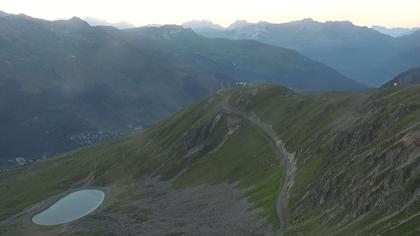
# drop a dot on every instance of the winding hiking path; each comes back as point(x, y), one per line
point(285, 157)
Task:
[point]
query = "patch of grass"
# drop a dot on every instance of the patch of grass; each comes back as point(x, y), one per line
point(129, 192)
point(306, 173)
point(359, 225)
point(408, 226)
point(311, 227)
point(90, 233)
point(248, 159)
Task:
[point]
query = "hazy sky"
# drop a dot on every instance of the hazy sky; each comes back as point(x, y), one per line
point(389, 13)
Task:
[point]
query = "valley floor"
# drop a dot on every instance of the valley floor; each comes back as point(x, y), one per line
point(154, 207)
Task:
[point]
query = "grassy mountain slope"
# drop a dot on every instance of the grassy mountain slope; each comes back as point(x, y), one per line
point(65, 84)
point(214, 168)
point(411, 77)
point(357, 161)
point(193, 142)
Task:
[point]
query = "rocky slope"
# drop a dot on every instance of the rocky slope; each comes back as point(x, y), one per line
point(246, 161)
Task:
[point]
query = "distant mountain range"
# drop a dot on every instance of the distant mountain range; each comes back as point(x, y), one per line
point(360, 53)
point(65, 84)
point(203, 25)
point(410, 77)
point(99, 22)
point(394, 32)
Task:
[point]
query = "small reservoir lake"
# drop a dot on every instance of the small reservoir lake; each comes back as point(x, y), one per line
point(70, 207)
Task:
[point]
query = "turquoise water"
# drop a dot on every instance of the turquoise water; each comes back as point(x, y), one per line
point(71, 207)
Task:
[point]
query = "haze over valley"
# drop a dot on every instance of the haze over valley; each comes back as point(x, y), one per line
point(364, 54)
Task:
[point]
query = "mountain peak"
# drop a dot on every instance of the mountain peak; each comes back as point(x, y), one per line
point(341, 23)
point(173, 28)
point(202, 24)
point(239, 24)
point(166, 32)
point(75, 23)
point(98, 22)
point(309, 20)
point(76, 19)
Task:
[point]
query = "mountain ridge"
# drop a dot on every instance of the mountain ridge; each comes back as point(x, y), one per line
point(73, 74)
point(356, 158)
point(99, 22)
point(394, 32)
point(408, 78)
point(360, 53)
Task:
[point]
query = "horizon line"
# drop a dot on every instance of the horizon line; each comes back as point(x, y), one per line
point(225, 26)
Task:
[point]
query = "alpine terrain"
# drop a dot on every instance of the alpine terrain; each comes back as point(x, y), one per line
point(65, 84)
point(255, 160)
